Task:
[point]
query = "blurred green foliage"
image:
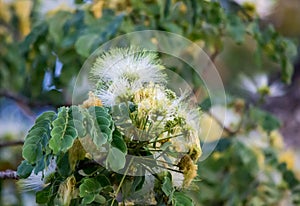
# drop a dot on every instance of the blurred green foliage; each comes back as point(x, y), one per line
point(71, 35)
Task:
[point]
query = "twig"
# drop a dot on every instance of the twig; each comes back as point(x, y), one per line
point(228, 130)
point(163, 139)
point(26, 103)
point(9, 174)
point(214, 55)
point(23, 100)
point(122, 180)
point(14, 96)
point(12, 143)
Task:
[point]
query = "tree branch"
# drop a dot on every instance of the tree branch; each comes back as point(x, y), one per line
point(229, 131)
point(9, 174)
point(25, 103)
point(12, 143)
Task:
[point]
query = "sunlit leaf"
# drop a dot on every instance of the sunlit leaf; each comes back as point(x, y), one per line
point(115, 159)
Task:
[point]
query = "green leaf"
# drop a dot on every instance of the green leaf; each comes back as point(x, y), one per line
point(36, 32)
point(167, 187)
point(32, 152)
point(90, 186)
point(99, 139)
point(24, 169)
point(288, 176)
point(109, 30)
point(40, 164)
point(77, 120)
point(103, 180)
point(63, 133)
point(84, 44)
point(287, 70)
point(44, 196)
point(35, 149)
point(126, 188)
point(115, 159)
point(103, 120)
point(120, 114)
point(246, 155)
point(48, 116)
point(223, 144)
point(99, 124)
point(56, 24)
point(138, 183)
point(181, 199)
point(55, 144)
point(88, 199)
point(63, 165)
point(100, 199)
point(264, 119)
point(67, 142)
point(236, 28)
point(205, 104)
point(118, 142)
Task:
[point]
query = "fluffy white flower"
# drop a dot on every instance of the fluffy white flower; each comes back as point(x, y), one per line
point(132, 64)
point(36, 182)
point(263, 7)
point(122, 71)
point(118, 91)
point(259, 84)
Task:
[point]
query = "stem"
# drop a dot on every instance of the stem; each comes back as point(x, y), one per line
point(170, 137)
point(144, 126)
point(122, 180)
point(169, 163)
point(156, 126)
point(168, 168)
point(153, 150)
point(9, 174)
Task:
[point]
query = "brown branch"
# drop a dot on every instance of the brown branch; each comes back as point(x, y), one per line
point(214, 55)
point(21, 99)
point(9, 174)
point(12, 143)
point(14, 96)
point(23, 102)
point(26, 103)
point(226, 129)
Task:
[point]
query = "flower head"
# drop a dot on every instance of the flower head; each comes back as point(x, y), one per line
point(36, 182)
point(189, 169)
point(262, 7)
point(116, 92)
point(123, 71)
point(131, 82)
point(259, 85)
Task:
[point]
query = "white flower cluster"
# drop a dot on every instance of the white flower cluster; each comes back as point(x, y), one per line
point(135, 77)
point(128, 74)
point(122, 71)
